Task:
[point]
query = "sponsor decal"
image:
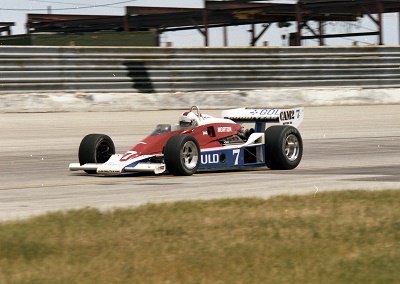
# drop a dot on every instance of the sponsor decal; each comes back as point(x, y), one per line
point(224, 129)
point(209, 159)
point(268, 111)
point(287, 115)
point(108, 172)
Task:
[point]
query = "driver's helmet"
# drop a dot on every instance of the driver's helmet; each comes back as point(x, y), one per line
point(188, 119)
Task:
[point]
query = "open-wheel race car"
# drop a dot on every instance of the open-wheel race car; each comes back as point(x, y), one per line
point(243, 137)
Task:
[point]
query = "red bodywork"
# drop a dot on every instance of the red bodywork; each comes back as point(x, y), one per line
point(207, 135)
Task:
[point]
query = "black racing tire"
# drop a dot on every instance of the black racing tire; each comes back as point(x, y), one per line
point(95, 148)
point(283, 147)
point(182, 155)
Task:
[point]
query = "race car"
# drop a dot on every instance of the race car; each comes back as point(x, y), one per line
point(242, 137)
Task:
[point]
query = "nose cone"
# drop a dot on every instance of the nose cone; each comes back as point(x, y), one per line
point(151, 145)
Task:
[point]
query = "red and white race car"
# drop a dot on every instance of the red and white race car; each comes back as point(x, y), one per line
point(243, 137)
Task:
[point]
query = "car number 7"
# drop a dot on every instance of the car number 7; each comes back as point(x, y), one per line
point(236, 153)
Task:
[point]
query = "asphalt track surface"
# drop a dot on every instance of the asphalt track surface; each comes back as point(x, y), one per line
point(346, 147)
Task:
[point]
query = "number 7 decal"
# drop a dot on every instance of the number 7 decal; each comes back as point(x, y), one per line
point(236, 153)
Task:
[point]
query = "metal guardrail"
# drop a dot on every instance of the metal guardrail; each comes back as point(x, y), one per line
point(104, 69)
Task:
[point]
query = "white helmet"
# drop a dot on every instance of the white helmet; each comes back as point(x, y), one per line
point(188, 119)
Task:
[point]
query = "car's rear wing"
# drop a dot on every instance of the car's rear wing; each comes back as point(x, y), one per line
point(262, 116)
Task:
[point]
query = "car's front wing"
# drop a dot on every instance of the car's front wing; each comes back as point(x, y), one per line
point(115, 166)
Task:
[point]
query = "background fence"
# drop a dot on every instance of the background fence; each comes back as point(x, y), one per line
point(96, 69)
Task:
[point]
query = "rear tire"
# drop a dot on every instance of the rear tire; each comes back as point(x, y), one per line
point(182, 155)
point(95, 148)
point(283, 147)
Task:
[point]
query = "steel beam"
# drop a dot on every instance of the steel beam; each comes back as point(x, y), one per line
point(380, 9)
point(254, 36)
point(205, 24)
point(299, 21)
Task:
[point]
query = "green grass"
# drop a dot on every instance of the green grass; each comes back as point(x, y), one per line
point(339, 237)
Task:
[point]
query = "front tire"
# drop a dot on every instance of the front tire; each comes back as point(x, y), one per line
point(95, 148)
point(283, 147)
point(182, 155)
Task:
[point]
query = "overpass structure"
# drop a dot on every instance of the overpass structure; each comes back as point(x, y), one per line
point(227, 13)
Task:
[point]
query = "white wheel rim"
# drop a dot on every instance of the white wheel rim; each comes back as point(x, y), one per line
point(292, 147)
point(189, 155)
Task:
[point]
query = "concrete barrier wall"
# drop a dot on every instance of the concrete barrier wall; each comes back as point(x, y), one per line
point(155, 70)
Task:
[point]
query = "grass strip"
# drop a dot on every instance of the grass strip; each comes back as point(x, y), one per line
point(336, 237)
